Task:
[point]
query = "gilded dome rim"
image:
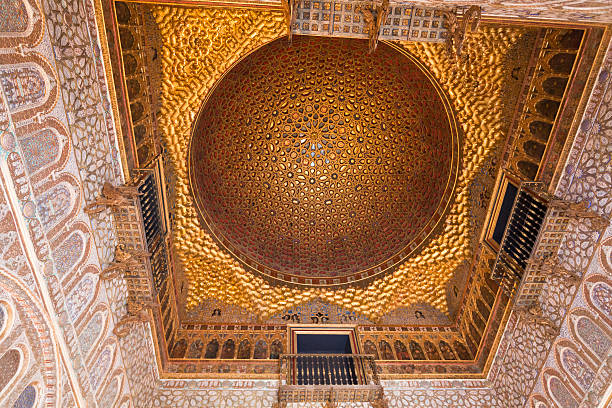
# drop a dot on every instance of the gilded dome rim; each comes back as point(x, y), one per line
point(365, 276)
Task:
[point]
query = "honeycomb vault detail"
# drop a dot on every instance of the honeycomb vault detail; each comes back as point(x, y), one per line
point(318, 163)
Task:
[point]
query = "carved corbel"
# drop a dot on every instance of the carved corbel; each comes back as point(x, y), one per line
point(136, 313)
point(112, 271)
point(599, 223)
point(582, 210)
point(572, 209)
point(534, 314)
point(290, 13)
point(112, 196)
point(550, 268)
point(124, 260)
point(458, 29)
point(373, 17)
point(550, 331)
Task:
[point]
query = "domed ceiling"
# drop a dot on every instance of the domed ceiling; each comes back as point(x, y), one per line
point(317, 163)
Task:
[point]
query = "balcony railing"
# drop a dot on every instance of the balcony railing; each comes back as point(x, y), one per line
point(138, 227)
point(153, 227)
point(530, 245)
point(329, 378)
point(522, 232)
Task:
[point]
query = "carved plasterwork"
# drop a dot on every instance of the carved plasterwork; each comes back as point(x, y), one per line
point(562, 10)
point(189, 71)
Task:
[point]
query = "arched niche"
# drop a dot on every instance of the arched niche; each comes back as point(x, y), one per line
point(598, 292)
point(195, 349)
point(179, 349)
point(244, 349)
point(446, 350)
point(11, 364)
point(370, 348)
point(212, 349)
point(93, 331)
point(558, 392)
point(261, 349)
point(416, 350)
point(27, 398)
point(401, 351)
point(276, 349)
point(576, 366)
point(229, 349)
point(595, 340)
point(7, 316)
point(385, 350)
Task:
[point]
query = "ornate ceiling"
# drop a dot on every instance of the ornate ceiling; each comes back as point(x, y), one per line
point(318, 163)
point(200, 45)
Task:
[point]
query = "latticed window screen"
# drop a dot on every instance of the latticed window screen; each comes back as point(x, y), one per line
point(130, 232)
point(149, 204)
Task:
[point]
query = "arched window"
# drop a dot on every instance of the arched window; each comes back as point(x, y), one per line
point(244, 349)
point(401, 351)
point(212, 349)
point(9, 362)
point(229, 348)
point(276, 349)
point(179, 349)
point(261, 349)
point(195, 350)
point(27, 398)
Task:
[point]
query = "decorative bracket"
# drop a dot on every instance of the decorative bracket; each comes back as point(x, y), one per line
point(112, 196)
point(290, 13)
point(373, 17)
point(124, 260)
point(458, 29)
point(136, 313)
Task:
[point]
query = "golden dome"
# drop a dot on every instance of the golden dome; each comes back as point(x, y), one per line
point(316, 163)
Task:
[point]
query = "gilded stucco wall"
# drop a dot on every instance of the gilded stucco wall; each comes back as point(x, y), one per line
point(529, 369)
point(196, 54)
point(57, 145)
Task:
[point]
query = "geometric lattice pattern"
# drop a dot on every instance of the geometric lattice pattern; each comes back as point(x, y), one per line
point(130, 233)
point(338, 18)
